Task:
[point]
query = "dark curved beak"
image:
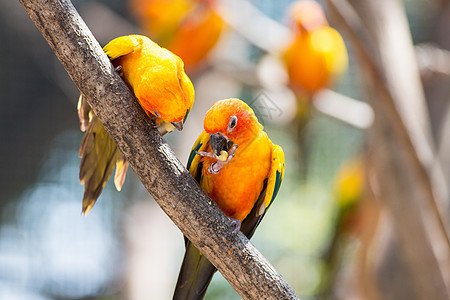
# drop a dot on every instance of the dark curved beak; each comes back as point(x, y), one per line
point(219, 142)
point(178, 125)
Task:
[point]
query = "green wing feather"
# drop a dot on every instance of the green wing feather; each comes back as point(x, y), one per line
point(270, 189)
point(98, 155)
point(276, 175)
point(196, 271)
point(193, 162)
point(195, 275)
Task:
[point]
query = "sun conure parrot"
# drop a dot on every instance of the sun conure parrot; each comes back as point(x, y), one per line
point(317, 54)
point(235, 162)
point(314, 58)
point(157, 78)
point(188, 28)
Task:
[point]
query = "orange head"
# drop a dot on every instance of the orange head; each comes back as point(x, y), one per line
point(307, 15)
point(230, 121)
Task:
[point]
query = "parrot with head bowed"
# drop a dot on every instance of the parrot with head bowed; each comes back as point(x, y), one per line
point(235, 162)
point(156, 77)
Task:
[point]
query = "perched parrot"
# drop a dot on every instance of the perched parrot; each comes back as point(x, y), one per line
point(317, 54)
point(188, 28)
point(157, 78)
point(235, 162)
point(314, 58)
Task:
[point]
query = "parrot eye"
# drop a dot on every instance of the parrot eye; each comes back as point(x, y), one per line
point(232, 124)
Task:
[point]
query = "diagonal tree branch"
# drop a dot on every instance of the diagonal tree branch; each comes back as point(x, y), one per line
point(174, 189)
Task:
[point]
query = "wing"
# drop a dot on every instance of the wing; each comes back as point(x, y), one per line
point(193, 164)
point(276, 175)
point(98, 154)
point(196, 271)
point(122, 46)
point(270, 189)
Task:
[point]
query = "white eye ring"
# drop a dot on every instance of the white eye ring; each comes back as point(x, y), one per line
point(232, 123)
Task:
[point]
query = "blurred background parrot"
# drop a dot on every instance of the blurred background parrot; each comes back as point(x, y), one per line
point(314, 59)
point(235, 162)
point(188, 28)
point(352, 212)
point(157, 78)
point(317, 54)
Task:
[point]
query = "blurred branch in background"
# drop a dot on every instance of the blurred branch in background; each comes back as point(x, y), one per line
point(256, 27)
point(345, 109)
point(247, 19)
point(170, 184)
point(409, 179)
point(432, 60)
point(340, 107)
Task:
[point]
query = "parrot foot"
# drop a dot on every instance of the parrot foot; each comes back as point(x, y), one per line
point(203, 153)
point(118, 69)
point(214, 168)
point(232, 151)
point(236, 225)
point(153, 118)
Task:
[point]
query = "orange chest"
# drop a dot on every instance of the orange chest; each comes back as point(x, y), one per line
point(238, 185)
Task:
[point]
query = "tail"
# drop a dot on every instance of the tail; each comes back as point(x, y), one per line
point(195, 275)
point(98, 154)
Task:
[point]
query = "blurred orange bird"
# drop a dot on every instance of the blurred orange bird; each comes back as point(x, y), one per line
point(317, 54)
point(188, 28)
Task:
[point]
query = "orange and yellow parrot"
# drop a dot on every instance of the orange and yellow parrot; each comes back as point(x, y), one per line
point(157, 78)
point(235, 162)
point(315, 57)
point(317, 54)
point(188, 28)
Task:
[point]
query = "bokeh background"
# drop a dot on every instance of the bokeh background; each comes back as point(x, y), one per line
point(126, 247)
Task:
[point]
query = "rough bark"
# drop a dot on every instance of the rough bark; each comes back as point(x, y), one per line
point(173, 188)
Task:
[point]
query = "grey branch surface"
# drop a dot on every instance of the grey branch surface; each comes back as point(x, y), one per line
point(173, 188)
